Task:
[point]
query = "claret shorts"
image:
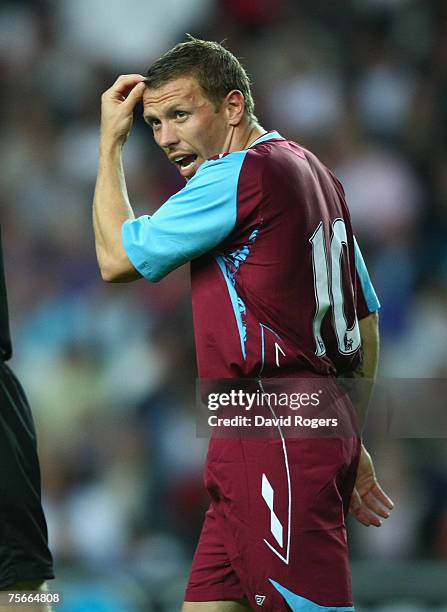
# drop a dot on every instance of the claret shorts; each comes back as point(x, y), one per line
point(275, 531)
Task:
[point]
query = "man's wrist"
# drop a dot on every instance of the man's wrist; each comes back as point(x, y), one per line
point(111, 146)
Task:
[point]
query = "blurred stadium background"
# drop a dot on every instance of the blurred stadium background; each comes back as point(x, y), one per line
point(109, 370)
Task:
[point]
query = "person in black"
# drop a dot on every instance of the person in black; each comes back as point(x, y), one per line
point(25, 559)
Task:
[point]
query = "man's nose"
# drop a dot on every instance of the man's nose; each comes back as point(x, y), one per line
point(167, 135)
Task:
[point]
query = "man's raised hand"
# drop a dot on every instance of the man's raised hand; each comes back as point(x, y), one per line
point(117, 106)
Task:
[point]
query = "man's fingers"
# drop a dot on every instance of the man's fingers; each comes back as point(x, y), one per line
point(382, 496)
point(362, 511)
point(356, 501)
point(364, 516)
point(135, 95)
point(373, 504)
point(370, 519)
point(125, 82)
point(357, 510)
point(122, 86)
point(377, 491)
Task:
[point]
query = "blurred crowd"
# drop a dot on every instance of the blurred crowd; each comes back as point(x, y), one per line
point(110, 369)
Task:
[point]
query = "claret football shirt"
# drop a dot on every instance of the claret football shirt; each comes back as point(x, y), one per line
point(278, 281)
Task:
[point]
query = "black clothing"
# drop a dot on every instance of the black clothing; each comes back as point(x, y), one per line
point(24, 553)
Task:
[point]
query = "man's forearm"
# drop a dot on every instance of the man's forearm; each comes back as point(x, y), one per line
point(367, 371)
point(111, 208)
point(369, 333)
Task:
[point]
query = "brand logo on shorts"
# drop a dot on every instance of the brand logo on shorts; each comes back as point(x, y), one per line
point(259, 599)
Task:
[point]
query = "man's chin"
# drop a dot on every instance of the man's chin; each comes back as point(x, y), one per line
point(189, 177)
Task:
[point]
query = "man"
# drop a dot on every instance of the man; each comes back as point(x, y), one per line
point(273, 261)
point(25, 561)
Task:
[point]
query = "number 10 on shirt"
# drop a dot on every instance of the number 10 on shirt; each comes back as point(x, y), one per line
point(328, 284)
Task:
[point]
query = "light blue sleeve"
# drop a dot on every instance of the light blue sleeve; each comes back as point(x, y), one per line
point(372, 301)
point(193, 221)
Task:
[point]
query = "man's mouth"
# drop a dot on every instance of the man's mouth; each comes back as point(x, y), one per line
point(185, 162)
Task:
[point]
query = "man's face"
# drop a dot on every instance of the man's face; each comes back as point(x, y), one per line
point(186, 124)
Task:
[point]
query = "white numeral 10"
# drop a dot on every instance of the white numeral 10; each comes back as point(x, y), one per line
point(328, 285)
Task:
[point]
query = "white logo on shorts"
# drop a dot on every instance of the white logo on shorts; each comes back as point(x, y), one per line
point(275, 524)
point(259, 599)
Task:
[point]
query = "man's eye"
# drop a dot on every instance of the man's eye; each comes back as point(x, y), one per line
point(180, 114)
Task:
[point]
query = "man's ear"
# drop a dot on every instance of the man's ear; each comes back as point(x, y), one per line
point(235, 107)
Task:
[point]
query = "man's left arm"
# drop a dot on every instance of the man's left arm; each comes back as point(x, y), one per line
point(369, 503)
point(111, 207)
point(367, 307)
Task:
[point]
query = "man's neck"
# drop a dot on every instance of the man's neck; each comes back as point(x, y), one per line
point(243, 137)
point(255, 131)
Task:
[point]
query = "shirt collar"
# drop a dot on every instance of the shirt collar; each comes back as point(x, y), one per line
point(267, 136)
